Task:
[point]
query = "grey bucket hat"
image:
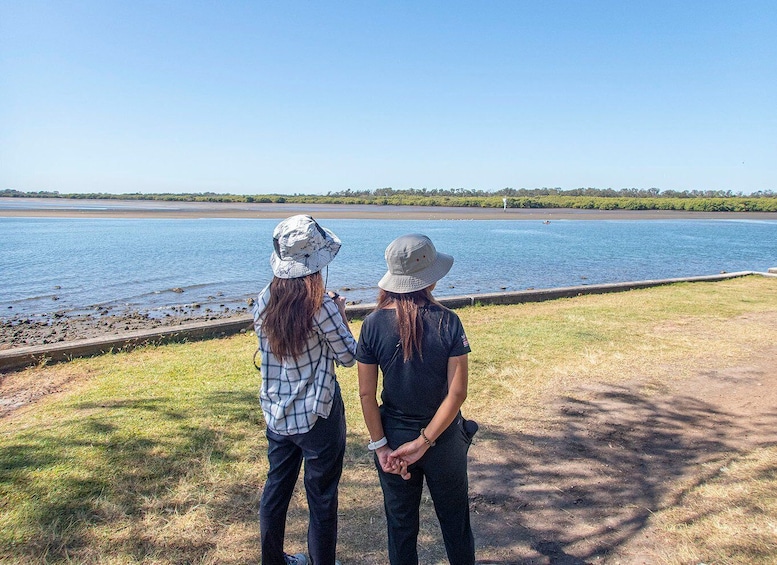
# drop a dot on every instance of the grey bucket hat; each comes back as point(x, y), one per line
point(301, 247)
point(413, 264)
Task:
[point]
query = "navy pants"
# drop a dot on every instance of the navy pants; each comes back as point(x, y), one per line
point(445, 468)
point(322, 448)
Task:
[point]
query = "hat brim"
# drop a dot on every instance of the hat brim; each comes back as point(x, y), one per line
point(291, 269)
point(402, 284)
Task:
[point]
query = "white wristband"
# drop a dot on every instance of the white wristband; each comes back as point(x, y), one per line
point(373, 445)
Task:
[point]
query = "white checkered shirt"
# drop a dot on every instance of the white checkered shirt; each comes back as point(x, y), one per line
point(295, 392)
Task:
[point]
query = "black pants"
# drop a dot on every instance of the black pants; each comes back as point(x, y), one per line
point(322, 449)
point(445, 468)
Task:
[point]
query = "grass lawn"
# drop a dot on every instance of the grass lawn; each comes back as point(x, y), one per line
point(158, 455)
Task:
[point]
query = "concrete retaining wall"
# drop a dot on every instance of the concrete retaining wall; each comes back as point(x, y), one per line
point(21, 357)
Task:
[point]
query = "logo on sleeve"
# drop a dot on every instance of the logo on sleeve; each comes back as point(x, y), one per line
point(464, 340)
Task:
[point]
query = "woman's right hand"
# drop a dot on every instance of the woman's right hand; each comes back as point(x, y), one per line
point(339, 300)
point(383, 458)
point(391, 464)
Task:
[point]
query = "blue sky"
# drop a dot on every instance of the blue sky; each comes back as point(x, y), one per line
point(311, 97)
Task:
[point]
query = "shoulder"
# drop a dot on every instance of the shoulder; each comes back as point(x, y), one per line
point(436, 310)
point(449, 313)
point(379, 316)
point(446, 321)
point(378, 321)
point(260, 304)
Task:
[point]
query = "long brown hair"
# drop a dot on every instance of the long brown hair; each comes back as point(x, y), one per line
point(288, 318)
point(411, 327)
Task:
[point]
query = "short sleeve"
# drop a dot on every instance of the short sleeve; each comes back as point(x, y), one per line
point(364, 351)
point(459, 341)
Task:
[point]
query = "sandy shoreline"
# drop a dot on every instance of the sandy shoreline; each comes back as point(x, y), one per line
point(71, 208)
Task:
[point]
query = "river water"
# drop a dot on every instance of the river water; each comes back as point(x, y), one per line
point(78, 265)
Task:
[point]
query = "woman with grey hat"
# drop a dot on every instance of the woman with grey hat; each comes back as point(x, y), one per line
point(303, 333)
point(417, 432)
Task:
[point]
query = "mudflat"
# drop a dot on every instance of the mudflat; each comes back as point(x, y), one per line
point(75, 208)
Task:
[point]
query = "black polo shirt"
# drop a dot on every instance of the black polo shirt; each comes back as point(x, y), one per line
point(415, 389)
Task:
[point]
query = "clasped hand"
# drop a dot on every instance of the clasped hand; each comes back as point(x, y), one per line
point(400, 459)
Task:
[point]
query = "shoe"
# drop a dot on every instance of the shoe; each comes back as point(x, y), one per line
point(296, 559)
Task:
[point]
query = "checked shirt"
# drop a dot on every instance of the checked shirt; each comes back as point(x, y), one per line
point(296, 392)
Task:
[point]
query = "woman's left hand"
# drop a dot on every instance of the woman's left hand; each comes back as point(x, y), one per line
point(407, 454)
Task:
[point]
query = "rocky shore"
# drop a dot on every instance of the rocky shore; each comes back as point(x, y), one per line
point(24, 331)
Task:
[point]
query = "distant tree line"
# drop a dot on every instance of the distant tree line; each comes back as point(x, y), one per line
point(582, 198)
point(523, 192)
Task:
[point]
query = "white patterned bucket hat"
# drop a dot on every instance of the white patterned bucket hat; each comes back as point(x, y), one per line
point(301, 247)
point(413, 264)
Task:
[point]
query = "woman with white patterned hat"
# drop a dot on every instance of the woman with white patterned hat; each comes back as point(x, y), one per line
point(303, 333)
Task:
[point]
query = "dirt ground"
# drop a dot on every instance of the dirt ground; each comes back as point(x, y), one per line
point(582, 488)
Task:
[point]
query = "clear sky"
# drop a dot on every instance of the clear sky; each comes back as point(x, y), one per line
point(253, 97)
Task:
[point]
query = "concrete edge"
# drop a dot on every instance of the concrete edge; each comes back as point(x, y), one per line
point(18, 358)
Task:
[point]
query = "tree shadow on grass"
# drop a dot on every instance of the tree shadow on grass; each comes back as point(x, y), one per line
point(578, 489)
point(133, 457)
point(567, 490)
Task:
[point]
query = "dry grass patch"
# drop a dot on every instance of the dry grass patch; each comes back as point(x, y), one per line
point(522, 353)
point(731, 517)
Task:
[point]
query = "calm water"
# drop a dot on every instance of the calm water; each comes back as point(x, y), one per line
point(76, 265)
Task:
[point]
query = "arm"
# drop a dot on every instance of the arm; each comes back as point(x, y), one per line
point(333, 325)
point(339, 300)
point(412, 451)
point(368, 388)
